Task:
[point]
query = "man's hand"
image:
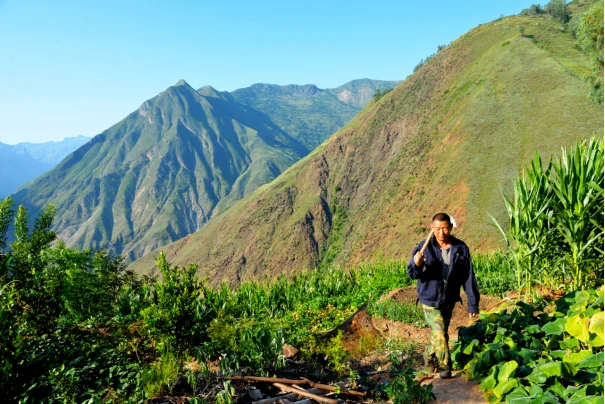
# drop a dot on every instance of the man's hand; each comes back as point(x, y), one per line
point(473, 315)
point(418, 259)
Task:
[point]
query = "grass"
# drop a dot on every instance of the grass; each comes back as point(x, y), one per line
point(396, 311)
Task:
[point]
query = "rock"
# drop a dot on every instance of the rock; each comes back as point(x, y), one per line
point(289, 351)
point(255, 394)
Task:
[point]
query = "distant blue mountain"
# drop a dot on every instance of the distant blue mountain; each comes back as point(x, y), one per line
point(24, 162)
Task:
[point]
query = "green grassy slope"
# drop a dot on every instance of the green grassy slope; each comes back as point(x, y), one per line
point(446, 139)
point(159, 174)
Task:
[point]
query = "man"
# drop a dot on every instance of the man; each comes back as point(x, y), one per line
point(440, 271)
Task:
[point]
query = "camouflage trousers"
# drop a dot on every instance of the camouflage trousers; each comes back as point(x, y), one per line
point(438, 318)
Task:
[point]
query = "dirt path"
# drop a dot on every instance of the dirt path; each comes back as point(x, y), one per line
point(457, 390)
point(366, 328)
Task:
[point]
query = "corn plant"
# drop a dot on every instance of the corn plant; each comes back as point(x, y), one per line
point(529, 222)
point(555, 217)
point(577, 206)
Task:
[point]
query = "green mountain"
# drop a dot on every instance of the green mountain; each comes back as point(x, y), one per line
point(448, 138)
point(308, 113)
point(161, 172)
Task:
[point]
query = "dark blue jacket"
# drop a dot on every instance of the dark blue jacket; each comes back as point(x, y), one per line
point(432, 290)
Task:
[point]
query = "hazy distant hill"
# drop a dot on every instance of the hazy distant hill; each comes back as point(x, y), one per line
point(160, 173)
point(23, 162)
point(51, 152)
point(308, 113)
point(446, 139)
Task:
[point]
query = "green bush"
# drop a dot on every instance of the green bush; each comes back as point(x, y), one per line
point(524, 356)
point(178, 319)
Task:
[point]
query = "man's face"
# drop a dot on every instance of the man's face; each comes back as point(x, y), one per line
point(442, 230)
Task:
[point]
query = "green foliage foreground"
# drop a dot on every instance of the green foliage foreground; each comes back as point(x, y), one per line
point(77, 327)
point(529, 356)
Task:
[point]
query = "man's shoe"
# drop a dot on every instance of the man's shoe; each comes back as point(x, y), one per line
point(445, 373)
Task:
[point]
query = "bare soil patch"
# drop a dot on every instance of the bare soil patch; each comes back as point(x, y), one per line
point(394, 329)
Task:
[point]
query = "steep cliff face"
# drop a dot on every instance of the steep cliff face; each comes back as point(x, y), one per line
point(160, 174)
point(447, 139)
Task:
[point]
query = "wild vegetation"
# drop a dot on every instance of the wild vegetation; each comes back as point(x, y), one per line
point(77, 326)
point(529, 356)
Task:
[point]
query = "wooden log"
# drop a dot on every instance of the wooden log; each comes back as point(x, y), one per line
point(306, 394)
point(274, 380)
point(332, 388)
point(290, 396)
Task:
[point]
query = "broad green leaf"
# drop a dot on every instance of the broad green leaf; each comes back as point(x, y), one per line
point(533, 329)
point(581, 302)
point(518, 400)
point(592, 361)
point(507, 370)
point(468, 350)
point(527, 355)
point(558, 390)
point(488, 384)
point(577, 357)
point(587, 400)
point(560, 369)
point(491, 398)
point(571, 343)
point(489, 318)
point(504, 387)
point(577, 326)
point(596, 327)
point(535, 391)
point(551, 369)
point(537, 377)
point(516, 393)
point(560, 353)
point(554, 327)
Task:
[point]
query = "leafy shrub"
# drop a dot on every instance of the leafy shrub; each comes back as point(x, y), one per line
point(524, 356)
point(534, 9)
point(403, 389)
point(336, 354)
point(178, 319)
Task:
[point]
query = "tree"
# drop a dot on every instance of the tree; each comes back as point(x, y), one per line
point(558, 9)
point(589, 32)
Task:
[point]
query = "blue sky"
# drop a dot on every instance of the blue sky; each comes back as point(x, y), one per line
point(71, 68)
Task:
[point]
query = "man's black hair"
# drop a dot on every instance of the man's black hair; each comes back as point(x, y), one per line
point(442, 217)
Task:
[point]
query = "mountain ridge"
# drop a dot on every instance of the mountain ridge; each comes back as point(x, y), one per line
point(165, 170)
point(445, 139)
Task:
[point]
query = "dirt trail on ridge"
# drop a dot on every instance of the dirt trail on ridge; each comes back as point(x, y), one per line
point(364, 328)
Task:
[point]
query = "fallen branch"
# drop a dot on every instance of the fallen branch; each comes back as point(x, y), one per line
point(305, 394)
point(265, 379)
point(334, 389)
